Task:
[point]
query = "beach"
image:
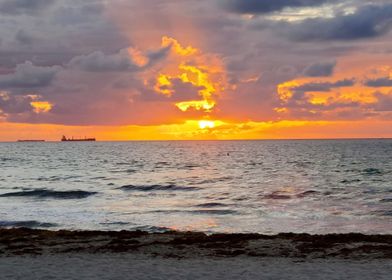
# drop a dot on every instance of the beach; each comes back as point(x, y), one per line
point(198, 139)
point(129, 266)
point(41, 254)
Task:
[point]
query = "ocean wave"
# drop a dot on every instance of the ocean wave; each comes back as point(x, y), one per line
point(152, 229)
point(211, 205)
point(307, 193)
point(382, 213)
point(129, 171)
point(189, 166)
point(372, 171)
point(347, 181)
point(50, 194)
point(283, 195)
point(213, 212)
point(277, 195)
point(115, 223)
point(58, 178)
point(161, 164)
point(27, 224)
point(197, 211)
point(149, 188)
point(213, 180)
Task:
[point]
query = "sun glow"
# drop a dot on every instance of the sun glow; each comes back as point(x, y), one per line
point(41, 106)
point(197, 105)
point(189, 66)
point(206, 124)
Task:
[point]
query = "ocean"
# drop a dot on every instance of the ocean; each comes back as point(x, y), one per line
point(312, 186)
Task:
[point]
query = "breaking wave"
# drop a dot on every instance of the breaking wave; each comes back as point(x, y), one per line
point(149, 188)
point(50, 194)
point(27, 224)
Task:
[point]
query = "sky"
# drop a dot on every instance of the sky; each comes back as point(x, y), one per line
point(195, 69)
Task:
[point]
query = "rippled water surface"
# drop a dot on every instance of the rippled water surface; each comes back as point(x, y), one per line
point(228, 186)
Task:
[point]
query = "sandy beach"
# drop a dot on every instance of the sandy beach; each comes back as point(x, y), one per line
point(41, 254)
point(129, 266)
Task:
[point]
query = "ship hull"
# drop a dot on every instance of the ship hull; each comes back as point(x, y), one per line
point(79, 140)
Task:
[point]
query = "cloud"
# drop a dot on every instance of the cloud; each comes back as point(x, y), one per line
point(366, 22)
point(380, 82)
point(100, 62)
point(126, 60)
point(268, 6)
point(27, 75)
point(189, 67)
point(320, 69)
point(178, 90)
point(328, 100)
point(312, 98)
point(93, 60)
point(384, 102)
point(323, 86)
point(10, 104)
point(64, 30)
point(16, 7)
point(22, 37)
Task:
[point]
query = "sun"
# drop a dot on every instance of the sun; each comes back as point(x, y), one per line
point(206, 124)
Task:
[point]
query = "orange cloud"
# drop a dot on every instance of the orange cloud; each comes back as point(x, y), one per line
point(137, 57)
point(190, 66)
point(41, 106)
point(177, 47)
point(333, 97)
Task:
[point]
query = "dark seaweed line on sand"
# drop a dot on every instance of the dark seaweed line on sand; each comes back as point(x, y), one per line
point(195, 244)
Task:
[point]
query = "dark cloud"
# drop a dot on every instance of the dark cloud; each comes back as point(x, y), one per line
point(268, 6)
point(384, 102)
point(324, 86)
point(121, 61)
point(321, 69)
point(366, 22)
point(100, 62)
point(78, 13)
point(67, 29)
point(15, 7)
point(95, 82)
point(10, 104)
point(28, 76)
point(380, 82)
point(180, 91)
point(22, 37)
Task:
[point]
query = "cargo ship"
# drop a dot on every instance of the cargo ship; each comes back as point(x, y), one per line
point(65, 139)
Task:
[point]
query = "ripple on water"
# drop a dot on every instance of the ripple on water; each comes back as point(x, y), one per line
point(211, 205)
point(27, 224)
point(43, 193)
point(214, 212)
point(150, 188)
point(372, 171)
point(281, 195)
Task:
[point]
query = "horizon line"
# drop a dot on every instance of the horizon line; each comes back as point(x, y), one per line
point(207, 140)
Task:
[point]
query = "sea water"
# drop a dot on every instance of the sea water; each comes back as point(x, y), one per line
point(313, 186)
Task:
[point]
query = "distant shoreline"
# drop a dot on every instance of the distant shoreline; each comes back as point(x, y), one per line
point(171, 244)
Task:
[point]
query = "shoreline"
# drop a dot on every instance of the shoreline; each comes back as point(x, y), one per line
point(190, 245)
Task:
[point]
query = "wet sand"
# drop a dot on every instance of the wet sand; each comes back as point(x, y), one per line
point(35, 254)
